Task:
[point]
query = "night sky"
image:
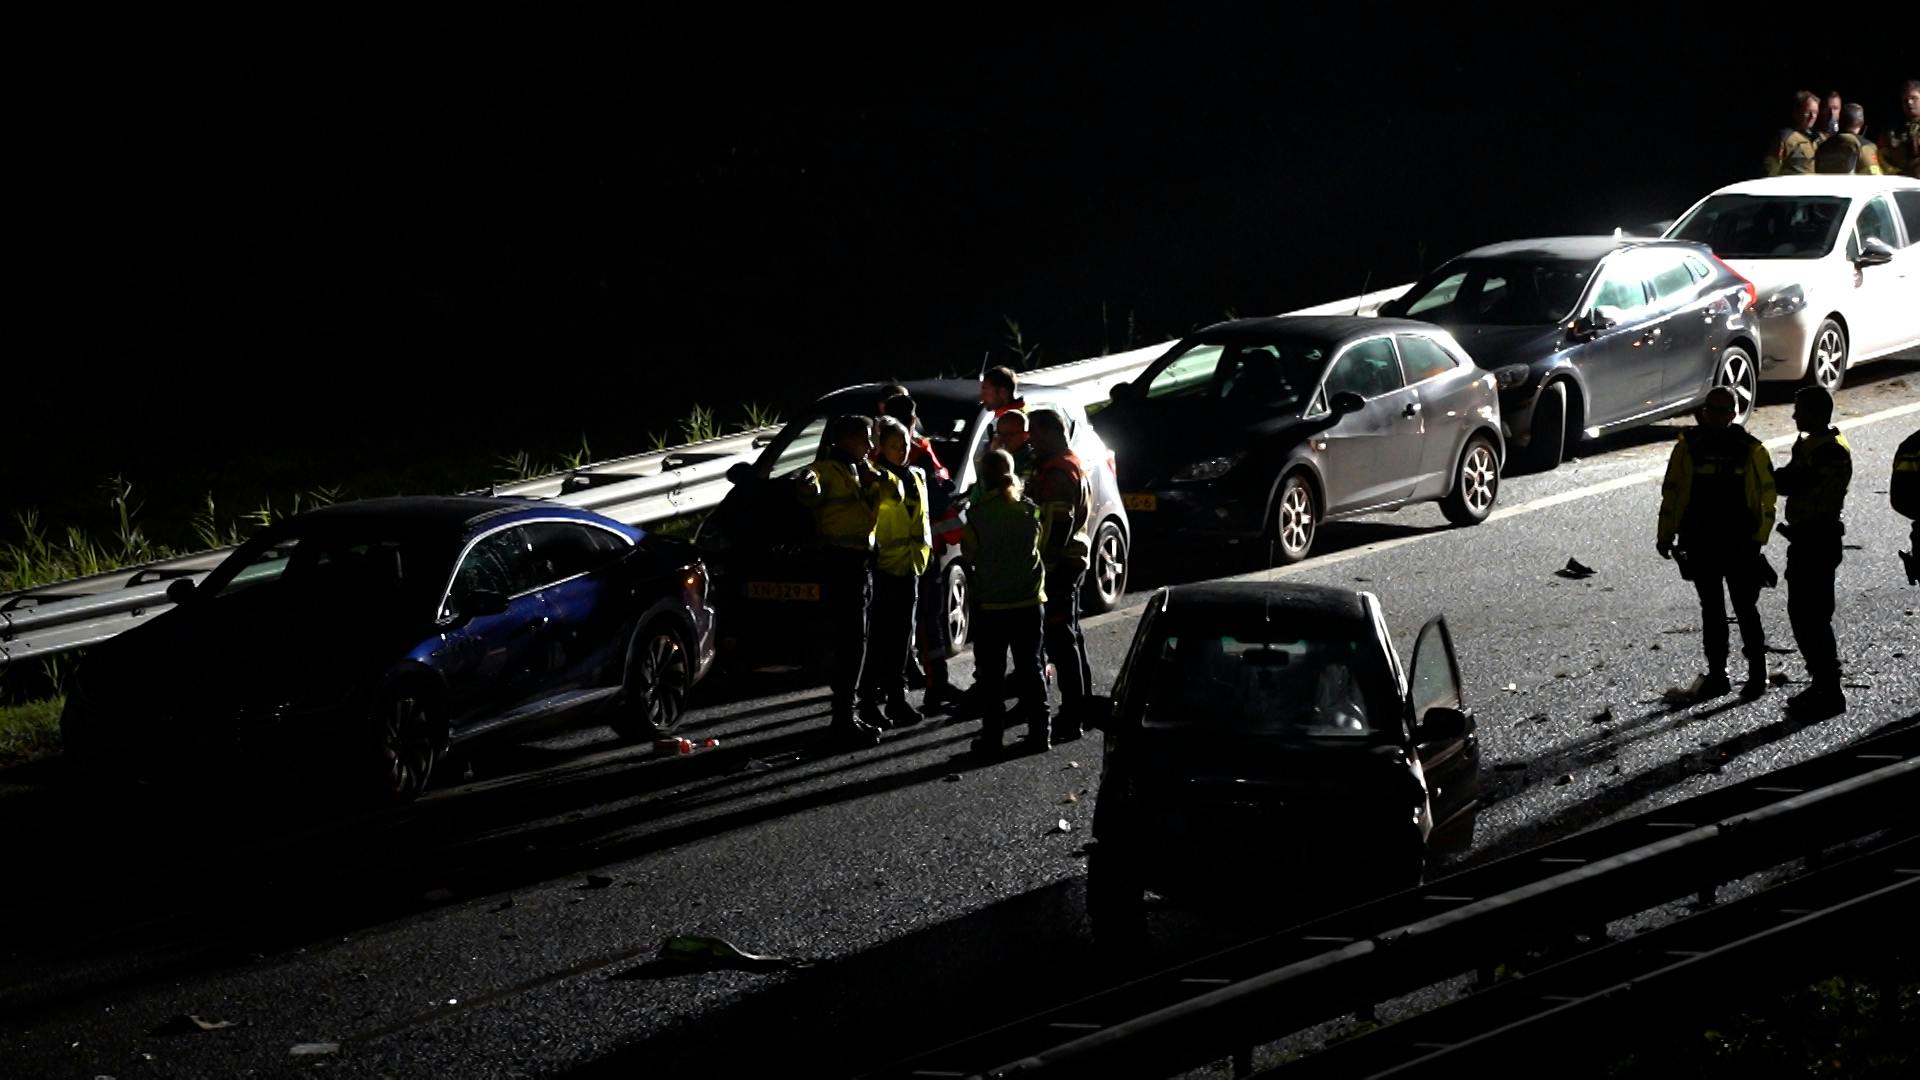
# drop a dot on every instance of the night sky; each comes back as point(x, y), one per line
point(286, 249)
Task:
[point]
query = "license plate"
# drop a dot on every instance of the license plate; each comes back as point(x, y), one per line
point(1141, 502)
point(782, 590)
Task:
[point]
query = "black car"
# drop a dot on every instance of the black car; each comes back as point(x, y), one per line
point(361, 641)
point(1265, 743)
point(1590, 334)
point(760, 541)
point(1263, 428)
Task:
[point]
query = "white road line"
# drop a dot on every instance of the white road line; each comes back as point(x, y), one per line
point(1544, 503)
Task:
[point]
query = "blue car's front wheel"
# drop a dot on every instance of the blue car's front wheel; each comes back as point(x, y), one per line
point(657, 681)
point(403, 727)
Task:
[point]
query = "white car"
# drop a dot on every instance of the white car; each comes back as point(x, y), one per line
point(1835, 260)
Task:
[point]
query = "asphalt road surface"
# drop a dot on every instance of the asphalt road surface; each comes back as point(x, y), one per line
point(510, 922)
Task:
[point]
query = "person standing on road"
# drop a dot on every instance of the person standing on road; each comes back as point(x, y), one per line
point(930, 670)
point(1904, 493)
point(1061, 490)
point(1002, 541)
point(1718, 500)
point(843, 490)
point(1793, 151)
point(902, 549)
point(1900, 149)
point(1815, 480)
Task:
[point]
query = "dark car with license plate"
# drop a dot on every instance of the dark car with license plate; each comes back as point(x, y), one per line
point(766, 559)
point(1591, 334)
point(1264, 428)
point(1265, 742)
point(361, 642)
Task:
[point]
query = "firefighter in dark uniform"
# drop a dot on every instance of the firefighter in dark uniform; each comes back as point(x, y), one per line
point(1718, 499)
point(1815, 480)
point(1900, 148)
point(844, 491)
point(1846, 152)
point(1904, 493)
point(1061, 490)
point(1793, 151)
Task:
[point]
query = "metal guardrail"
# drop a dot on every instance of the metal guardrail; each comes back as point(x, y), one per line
point(637, 489)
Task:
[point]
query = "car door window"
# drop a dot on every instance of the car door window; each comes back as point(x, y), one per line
point(563, 549)
point(1423, 357)
point(1671, 281)
point(1435, 676)
point(1440, 295)
point(799, 449)
point(500, 562)
point(1620, 288)
point(1876, 223)
point(1908, 203)
point(1368, 368)
point(1188, 374)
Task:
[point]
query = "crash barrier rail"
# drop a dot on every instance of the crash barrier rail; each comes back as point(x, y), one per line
point(1223, 1005)
point(636, 490)
point(1836, 916)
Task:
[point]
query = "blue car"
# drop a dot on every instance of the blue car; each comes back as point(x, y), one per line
point(360, 642)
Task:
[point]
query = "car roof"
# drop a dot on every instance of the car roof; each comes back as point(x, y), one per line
point(1234, 601)
point(1330, 328)
point(1571, 248)
point(1816, 184)
point(430, 513)
point(860, 399)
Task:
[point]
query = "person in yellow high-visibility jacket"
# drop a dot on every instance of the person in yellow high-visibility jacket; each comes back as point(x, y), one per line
point(903, 546)
point(844, 492)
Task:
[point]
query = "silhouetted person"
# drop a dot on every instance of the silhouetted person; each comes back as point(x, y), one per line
point(1904, 493)
point(1815, 480)
point(1060, 488)
point(843, 491)
point(1718, 499)
point(1002, 543)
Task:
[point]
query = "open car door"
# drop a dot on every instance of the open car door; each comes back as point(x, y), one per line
point(1443, 735)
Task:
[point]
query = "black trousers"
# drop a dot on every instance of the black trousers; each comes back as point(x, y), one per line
point(1812, 561)
point(848, 584)
point(889, 636)
point(930, 619)
point(1715, 579)
point(1066, 646)
point(1015, 631)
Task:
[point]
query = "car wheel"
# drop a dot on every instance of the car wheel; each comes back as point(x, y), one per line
point(1738, 374)
point(1294, 519)
point(956, 613)
point(1116, 895)
point(1827, 362)
point(1475, 486)
point(655, 697)
point(1107, 581)
point(405, 744)
point(1547, 441)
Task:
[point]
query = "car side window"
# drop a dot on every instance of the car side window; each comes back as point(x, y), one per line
point(500, 562)
point(1698, 267)
point(801, 450)
point(1908, 202)
point(1440, 295)
point(1620, 288)
point(564, 549)
point(1876, 223)
point(1189, 373)
point(1368, 368)
point(1423, 358)
point(1672, 282)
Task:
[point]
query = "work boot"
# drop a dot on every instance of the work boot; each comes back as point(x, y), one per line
point(1756, 683)
point(942, 698)
point(1066, 724)
point(1703, 688)
point(871, 716)
point(901, 714)
point(851, 733)
point(1820, 701)
point(989, 745)
point(1039, 734)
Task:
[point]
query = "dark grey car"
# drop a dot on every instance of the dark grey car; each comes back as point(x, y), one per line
point(1266, 427)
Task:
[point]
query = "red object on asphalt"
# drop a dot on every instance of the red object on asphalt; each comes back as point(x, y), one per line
point(673, 746)
point(711, 743)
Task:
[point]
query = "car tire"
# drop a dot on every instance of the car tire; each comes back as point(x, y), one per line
point(956, 610)
point(1296, 519)
point(1116, 895)
point(1547, 441)
point(1106, 569)
point(1738, 373)
point(405, 743)
point(1827, 359)
point(654, 698)
point(1476, 484)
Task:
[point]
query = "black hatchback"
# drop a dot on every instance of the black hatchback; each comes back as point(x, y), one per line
point(1591, 334)
point(1264, 739)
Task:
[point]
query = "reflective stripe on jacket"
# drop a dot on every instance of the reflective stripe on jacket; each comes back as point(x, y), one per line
point(1718, 485)
point(843, 510)
point(1061, 490)
point(901, 533)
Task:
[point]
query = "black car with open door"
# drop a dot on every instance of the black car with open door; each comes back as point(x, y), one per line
point(1265, 744)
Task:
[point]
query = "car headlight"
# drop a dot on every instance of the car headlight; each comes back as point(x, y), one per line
point(1210, 469)
point(1784, 301)
point(1512, 375)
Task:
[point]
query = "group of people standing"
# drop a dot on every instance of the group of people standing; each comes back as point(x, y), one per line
point(1829, 136)
point(876, 491)
point(1717, 514)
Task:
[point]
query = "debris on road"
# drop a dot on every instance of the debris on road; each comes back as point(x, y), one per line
point(501, 906)
point(595, 881)
point(1062, 826)
point(673, 746)
point(952, 778)
point(1565, 779)
point(1071, 765)
point(709, 744)
point(1511, 688)
point(314, 1049)
point(189, 1024)
point(1778, 678)
point(698, 951)
point(1575, 570)
point(756, 765)
point(1604, 716)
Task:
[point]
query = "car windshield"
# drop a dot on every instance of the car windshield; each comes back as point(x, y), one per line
point(1500, 292)
point(945, 423)
point(1765, 226)
point(1261, 684)
point(1275, 374)
point(342, 567)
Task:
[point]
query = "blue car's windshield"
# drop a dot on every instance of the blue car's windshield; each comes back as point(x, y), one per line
point(1765, 226)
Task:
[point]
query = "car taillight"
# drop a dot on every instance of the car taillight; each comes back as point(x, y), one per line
point(1113, 465)
point(1753, 294)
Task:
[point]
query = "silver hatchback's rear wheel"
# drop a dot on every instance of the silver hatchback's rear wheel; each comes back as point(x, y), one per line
point(1476, 486)
point(1295, 519)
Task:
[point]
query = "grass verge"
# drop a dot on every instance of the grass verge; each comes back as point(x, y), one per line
point(29, 730)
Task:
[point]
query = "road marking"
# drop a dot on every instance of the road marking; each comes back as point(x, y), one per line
point(1547, 502)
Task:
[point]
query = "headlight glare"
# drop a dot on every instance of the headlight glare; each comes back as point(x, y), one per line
point(1210, 469)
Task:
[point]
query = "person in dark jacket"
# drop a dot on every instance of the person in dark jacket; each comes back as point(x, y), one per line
point(1815, 481)
point(1718, 501)
point(1904, 493)
point(1060, 488)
